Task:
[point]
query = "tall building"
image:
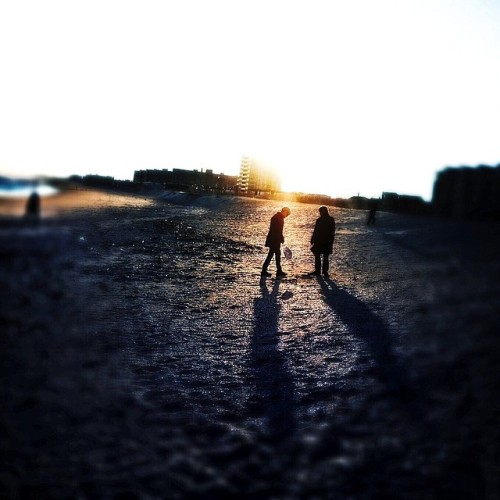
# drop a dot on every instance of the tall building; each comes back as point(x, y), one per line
point(256, 178)
point(468, 192)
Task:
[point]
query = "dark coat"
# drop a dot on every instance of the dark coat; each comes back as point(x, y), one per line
point(323, 235)
point(275, 235)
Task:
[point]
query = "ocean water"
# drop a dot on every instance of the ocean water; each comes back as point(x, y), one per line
point(21, 190)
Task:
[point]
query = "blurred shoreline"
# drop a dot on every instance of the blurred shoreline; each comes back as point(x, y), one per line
point(67, 200)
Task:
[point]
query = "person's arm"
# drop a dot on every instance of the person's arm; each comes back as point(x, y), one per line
point(315, 233)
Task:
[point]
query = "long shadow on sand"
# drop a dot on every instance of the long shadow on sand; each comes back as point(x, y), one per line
point(274, 399)
point(372, 330)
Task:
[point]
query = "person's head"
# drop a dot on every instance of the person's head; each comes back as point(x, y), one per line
point(285, 211)
point(323, 210)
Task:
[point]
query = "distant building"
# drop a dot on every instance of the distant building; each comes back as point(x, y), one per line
point(472, 192)
point(256, 178)
point(156, 176)
point(402, 203)
point(188, 180)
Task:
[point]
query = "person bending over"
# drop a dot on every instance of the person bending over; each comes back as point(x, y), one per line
point(274, 240)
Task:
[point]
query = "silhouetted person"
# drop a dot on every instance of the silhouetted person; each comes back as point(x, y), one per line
point(274, 240)
point(322, 241)
point(371, 215)
point(33, 206)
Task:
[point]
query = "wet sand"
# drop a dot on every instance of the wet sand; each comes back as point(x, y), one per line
point(143, 356)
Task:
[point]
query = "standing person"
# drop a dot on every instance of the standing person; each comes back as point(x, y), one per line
point(371, 214)
point(322, 241)
point(274, 240)
point(33, 207)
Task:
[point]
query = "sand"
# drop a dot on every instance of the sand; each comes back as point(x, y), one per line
point(69, 200)
point(142, 355)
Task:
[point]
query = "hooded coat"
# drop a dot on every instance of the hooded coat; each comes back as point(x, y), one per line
point(323, 234)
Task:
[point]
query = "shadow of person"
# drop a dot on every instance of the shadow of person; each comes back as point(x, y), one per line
point(274, 398)
point(373, 331)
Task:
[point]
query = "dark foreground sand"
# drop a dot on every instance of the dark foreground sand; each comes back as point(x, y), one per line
point(142, 357)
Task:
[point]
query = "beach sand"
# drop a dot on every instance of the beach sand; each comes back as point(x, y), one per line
point(142, 355)
point(69, 200)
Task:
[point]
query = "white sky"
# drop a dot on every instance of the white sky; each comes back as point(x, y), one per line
point(344, 97)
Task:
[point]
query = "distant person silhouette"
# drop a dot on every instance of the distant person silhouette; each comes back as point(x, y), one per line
point(322, 241)
point(274, 240)
point(371, 215)
point(33, 206)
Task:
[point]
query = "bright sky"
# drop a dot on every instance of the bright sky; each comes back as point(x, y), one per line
point(344, 97)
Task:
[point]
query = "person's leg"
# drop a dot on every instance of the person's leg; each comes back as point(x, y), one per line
point(317, 263)
point(326, 264)
point(268, 260)
point(277, 256)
